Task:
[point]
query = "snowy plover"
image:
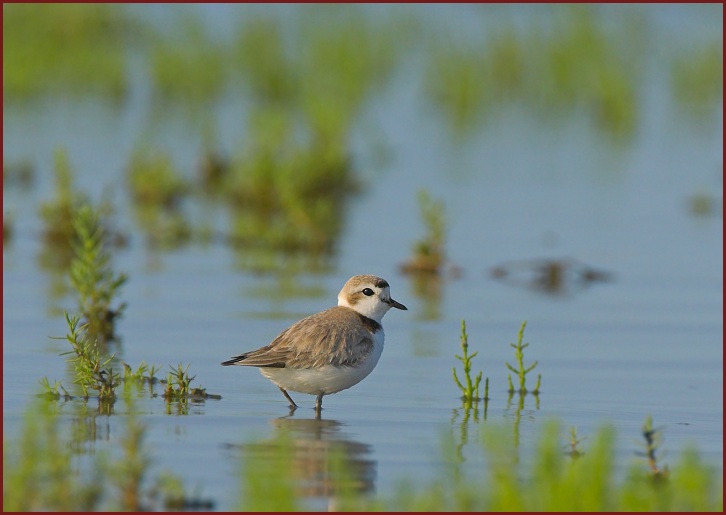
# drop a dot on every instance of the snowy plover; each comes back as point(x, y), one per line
point(329, 351)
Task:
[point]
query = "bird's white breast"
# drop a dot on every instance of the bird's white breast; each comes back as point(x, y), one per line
point(326, 379)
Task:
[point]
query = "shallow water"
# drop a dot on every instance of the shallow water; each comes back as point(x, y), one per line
point(647, 342)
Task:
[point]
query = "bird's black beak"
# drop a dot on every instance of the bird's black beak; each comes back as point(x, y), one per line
point(397, 305)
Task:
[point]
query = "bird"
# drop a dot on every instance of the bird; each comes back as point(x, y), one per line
point(331, 350)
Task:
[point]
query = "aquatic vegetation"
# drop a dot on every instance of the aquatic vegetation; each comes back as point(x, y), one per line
point(574, 65)
point(294, 175)
point(287, 195)
point(41, 473)
point(154, 180)
point(580, 64)
point(93, 278)
point(92, 370)
point(38, 472)
point(573, 445)
point(144, 374)
point(471, 390)
point(58, 213)
point(468, 82)
point(697, 78)
point(268, 70)
point(59, 216)
point(429, 290)
point(186, 65)
point(73, 49)
point(178, 386)
point(550, 481)
point(324, 68)
point(157, 189)
point(177, 383)
point(521, 370)
point(164, 228)
point(343, 59)
point(128, 472)
point(460, 441)
point(457, 81)
point(42, 470)
point(267, 478)
point(652, 438)
point(51, 391)
point(428, 252)
point(290, 183)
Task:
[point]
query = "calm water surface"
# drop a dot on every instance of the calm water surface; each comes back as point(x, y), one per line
point(648, 342)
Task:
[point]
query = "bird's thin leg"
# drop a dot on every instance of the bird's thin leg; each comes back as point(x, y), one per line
point(287, 396)
point(319, 403)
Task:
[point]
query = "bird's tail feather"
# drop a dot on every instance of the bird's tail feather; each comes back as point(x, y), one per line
point(235, 360)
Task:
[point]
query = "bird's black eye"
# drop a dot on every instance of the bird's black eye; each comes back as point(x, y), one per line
point(367, 292)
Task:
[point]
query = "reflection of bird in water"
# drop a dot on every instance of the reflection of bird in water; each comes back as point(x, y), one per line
point(553, 276)
point(313, 447)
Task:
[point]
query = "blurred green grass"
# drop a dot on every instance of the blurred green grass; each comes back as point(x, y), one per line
point(67, 49)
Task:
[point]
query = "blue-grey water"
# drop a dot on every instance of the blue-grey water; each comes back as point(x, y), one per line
point(647, 342)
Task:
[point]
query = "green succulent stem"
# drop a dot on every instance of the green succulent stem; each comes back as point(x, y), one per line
point(521, 370)
point(470, 389)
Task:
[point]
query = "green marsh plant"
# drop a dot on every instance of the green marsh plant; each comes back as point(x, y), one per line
point(153, 180)
point(178, 383)
point(144, 374)
point(289, 187)
point(93, 278)
point(697, 79)
point(470, 388)
point(462, 440)
point(457, 81)
point(552, 482)
point(44, 470)
point(38, 469)
point(653, 440)
point(92, 369)
point(72, 49)
point(344, 59)
point(268, 71)
point(58, 214)
point(157, 189)
point(521, 370)
point(574, 442)
point(267, 477)
point(575, 65)
point(428, 252)
point(288, 190)
point(187, 66)
point(178, 386)
point(53, 391)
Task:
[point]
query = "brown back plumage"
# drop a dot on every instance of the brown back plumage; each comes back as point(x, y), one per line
point(335, 336)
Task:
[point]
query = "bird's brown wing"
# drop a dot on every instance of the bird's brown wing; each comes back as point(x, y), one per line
point(338, 336)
